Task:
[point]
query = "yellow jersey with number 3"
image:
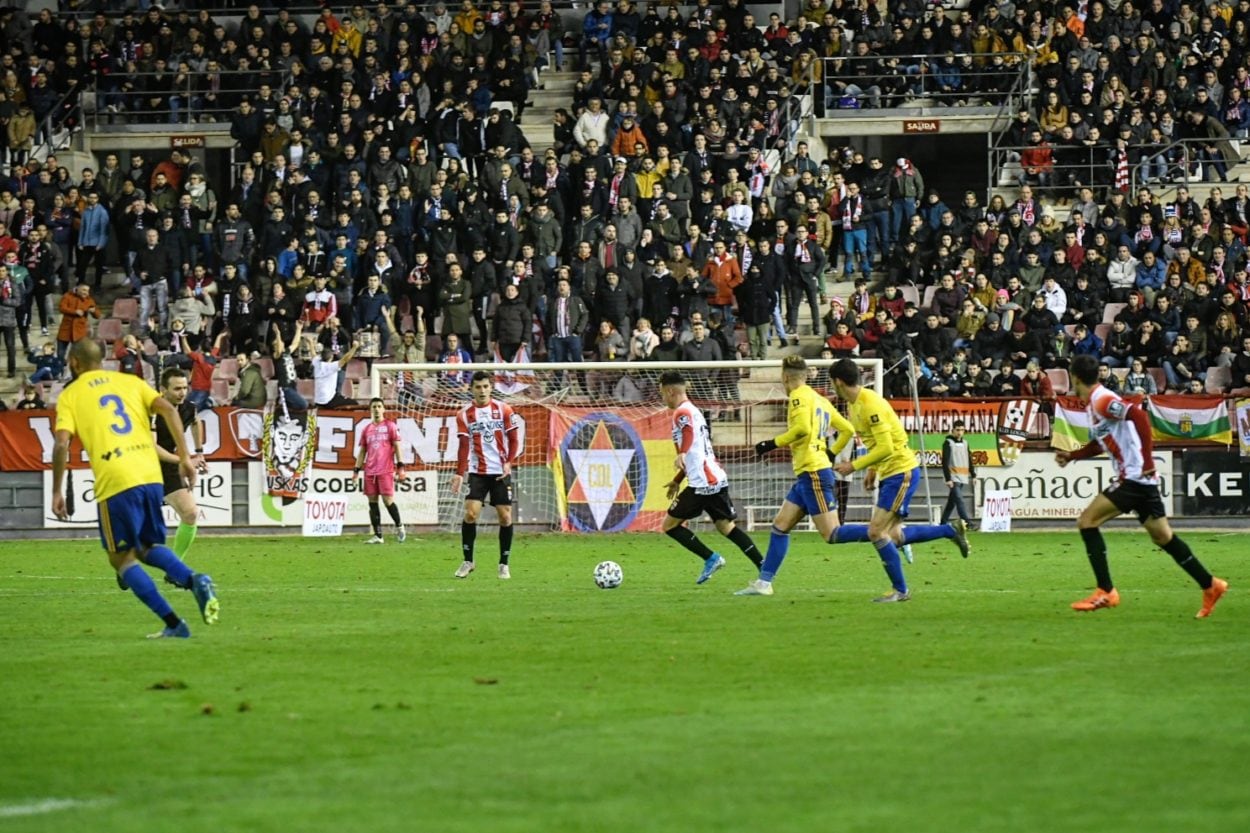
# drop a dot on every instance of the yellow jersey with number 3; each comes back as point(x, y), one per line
point(810, 421)
point(111, 414)
point(882, 433)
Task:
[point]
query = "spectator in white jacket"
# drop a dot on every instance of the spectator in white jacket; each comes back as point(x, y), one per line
point(592, 124)
point(1122, 274)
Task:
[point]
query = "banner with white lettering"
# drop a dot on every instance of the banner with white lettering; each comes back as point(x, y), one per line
point(996, 511)
point(323, 517)
point(212, 497)
point(1215, 483)
point(238, 435)
point(416, 495)
point(1041, 489)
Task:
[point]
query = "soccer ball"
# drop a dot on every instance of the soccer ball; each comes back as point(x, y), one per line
point(608, 575)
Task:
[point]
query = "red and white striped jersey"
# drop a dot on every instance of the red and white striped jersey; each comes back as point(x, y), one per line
point(489, 438)
point(694, 444)
point(1110, 426)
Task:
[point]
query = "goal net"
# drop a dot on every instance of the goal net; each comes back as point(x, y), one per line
point(597, 442)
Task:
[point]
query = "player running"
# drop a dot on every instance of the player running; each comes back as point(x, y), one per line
point(892, 462)
point(111, 413)
point(489, 434)
point(1123, 431)
point(174, 388)
point(380, 458)
point(810, 421)
point(708, 485)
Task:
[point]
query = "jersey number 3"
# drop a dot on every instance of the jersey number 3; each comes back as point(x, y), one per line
point(122, 423)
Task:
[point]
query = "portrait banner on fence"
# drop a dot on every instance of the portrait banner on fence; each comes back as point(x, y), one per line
point(610, 472)
point(1243, 426)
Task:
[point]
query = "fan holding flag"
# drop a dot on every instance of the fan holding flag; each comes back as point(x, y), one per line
point(1122, 429)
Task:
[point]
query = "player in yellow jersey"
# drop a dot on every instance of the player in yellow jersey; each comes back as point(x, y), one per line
point(891, 462)
point(111, 413)
point(811, 422)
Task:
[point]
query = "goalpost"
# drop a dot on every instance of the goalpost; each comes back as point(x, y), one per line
point(597, 445)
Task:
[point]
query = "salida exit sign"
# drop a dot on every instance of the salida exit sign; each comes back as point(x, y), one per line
point(922, 125)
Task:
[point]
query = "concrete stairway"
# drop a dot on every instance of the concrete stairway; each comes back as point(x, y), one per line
point(556, 92)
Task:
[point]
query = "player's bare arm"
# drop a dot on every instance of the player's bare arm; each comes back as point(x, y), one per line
point(60, 459)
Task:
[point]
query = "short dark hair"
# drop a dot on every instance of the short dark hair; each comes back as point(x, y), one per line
point(672, 377)
point(170, 374)
point(1085, 369)
point(377, 399)
point(479, 375)
point(959, 423)
point(846, 372)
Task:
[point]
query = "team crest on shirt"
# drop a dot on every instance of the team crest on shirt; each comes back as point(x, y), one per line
point(604, 473)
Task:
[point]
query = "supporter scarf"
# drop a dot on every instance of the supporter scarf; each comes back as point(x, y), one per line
point(852, 211)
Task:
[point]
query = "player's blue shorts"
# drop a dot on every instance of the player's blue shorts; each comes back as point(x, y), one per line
point(132, 518)
point(894, 492)
point(813, 492)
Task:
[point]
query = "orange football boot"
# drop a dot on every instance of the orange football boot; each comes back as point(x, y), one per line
point(1101, 599)
point(1210, 596)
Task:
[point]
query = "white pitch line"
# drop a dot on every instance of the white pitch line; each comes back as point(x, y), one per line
point(47, 805)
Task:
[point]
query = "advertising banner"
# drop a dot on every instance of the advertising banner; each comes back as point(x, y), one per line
point(416, 495)
point(1215, 483)
point(326, 440)
point(323, 517)
point(996, 511)
point(212, 497)
point(1041, 489)
point(995, 430)
point(610, 472)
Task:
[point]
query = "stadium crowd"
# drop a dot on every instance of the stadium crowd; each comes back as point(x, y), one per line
point(392, 206)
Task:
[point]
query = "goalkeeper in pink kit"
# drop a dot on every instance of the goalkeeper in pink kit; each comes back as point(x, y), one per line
point(379, 457)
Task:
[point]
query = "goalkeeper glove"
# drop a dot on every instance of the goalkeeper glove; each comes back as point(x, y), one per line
point(764, 446)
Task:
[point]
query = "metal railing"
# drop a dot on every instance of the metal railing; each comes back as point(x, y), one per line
point(887, 82)
point(178, 97)
point(1177, 163)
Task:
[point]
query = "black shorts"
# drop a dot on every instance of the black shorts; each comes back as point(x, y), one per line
point(497, 486)
point(172, 478)
point(719, 506)
point(1131, 497)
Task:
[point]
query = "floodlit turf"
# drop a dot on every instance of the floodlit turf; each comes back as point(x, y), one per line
point(354, 688)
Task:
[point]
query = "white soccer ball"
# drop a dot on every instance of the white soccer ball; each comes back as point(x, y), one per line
point(608, 575)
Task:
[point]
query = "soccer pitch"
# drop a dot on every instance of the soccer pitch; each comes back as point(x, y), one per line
point(354, 688)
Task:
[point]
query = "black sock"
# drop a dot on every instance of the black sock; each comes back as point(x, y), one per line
point(468, 534)
point(505, 543)
point(1096, 549)
point(744, 543)
point(393, 509)
point(172, 619)
point(1187, 561)
point(375, 518)
point(683, 536)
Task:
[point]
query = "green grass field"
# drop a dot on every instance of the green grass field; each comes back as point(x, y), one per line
point(354, 688)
